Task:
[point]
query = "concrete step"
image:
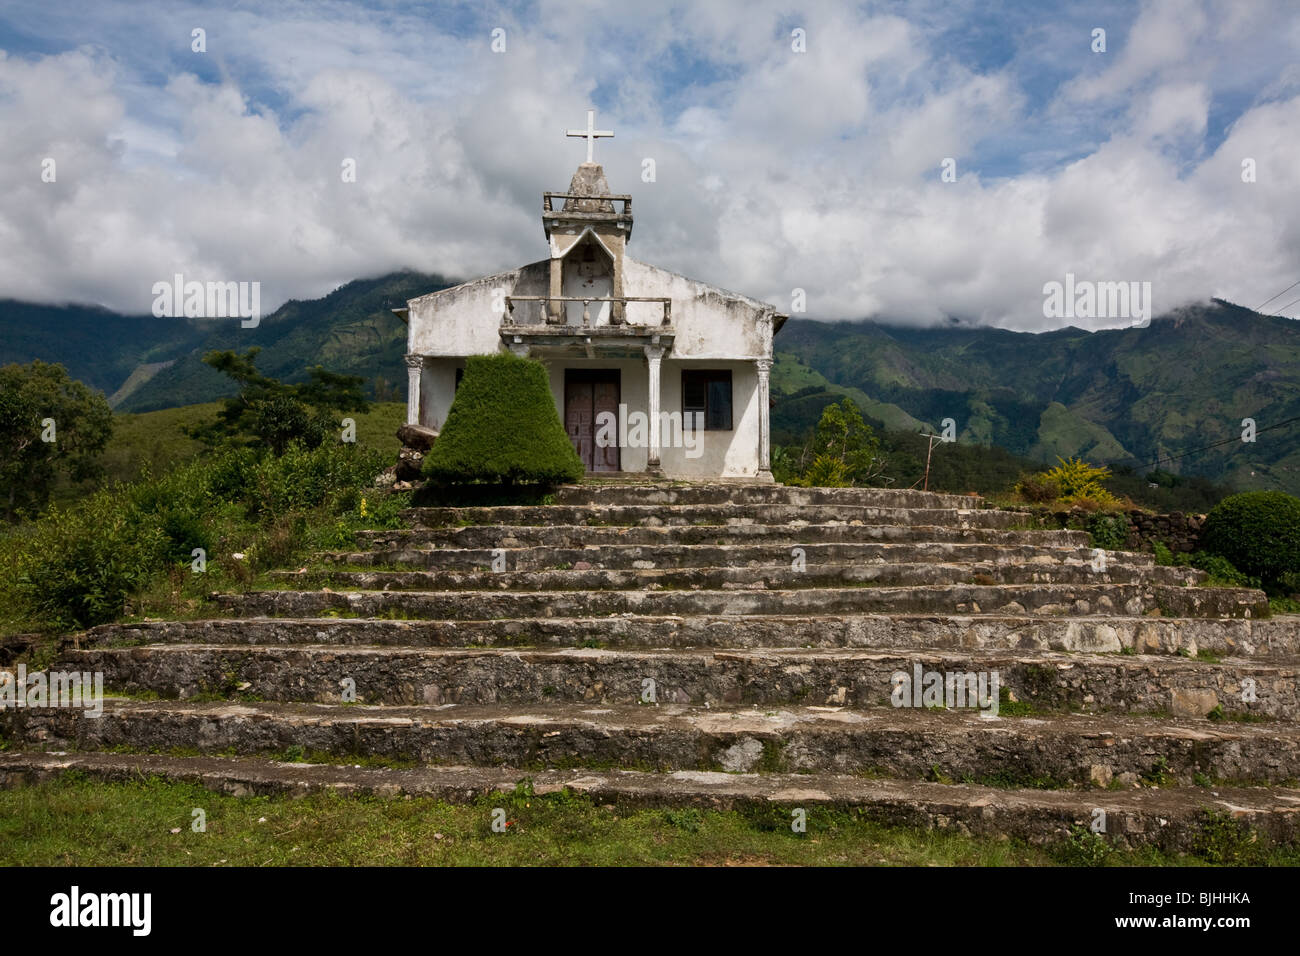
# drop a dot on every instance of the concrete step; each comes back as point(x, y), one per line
point(834, 677)
point(1264, 639)
point(720, 514)
point(1057, 752)
point(1168, 819)
point(1047, 571)
point(720, 493)
point(624, 557)
point(1037, 600)
point(759, 535)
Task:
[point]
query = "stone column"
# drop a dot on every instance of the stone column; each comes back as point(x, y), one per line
point(653, 355)
point(764, 407)
point(553, 312)
point(414, 368)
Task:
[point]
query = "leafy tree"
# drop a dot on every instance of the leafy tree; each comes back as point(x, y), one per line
point(80, 423)
point(503, 428)
point(843, 449)
point(275, 414)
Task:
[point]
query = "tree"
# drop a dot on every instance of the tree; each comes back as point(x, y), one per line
point(843, 449)
point(270, 412)
point(503, 428)
point(50, 426)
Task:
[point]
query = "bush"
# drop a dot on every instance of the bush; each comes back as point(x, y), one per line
point(1038, 488)
point(1164, 557)
point(1220, 570)
point(76, 568)
point(79, 567)
point(1108, 531)
point(503, 428)
point(1258, 532)
point(826, 472)
point(1080, 482)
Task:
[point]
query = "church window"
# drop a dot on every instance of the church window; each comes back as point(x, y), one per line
point(708, 391)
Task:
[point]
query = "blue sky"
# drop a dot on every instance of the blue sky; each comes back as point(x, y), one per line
point(775, 169)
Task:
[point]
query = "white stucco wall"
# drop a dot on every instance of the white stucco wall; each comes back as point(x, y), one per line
point(461, 320)
point(727, 454)
point(714, 329)
point(709, 322)
point(437, 389)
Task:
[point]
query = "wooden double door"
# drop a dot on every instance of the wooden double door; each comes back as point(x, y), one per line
point(588, 393)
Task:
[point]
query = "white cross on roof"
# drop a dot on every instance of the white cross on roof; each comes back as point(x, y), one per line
point(590, 133)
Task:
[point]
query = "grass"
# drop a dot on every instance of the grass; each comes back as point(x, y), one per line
point(76, 821)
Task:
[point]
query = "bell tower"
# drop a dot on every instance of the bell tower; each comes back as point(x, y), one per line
point(587, 236)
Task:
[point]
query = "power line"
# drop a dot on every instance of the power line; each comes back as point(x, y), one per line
point(1285, 307)
point(1226, 441)
point(1278, 296)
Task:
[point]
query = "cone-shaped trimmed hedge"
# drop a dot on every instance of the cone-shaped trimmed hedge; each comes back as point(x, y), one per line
point(503, 428)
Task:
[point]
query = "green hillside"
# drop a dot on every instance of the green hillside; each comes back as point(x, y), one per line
point(351, 331)
point(98, 347)
point(1126, 396)
point(144, 363)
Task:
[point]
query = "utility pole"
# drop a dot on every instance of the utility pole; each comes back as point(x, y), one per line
point(928, 452)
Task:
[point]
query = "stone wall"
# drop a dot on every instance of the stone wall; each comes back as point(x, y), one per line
point(1179, 531)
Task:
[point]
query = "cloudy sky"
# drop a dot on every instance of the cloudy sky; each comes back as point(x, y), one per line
point(774, 169)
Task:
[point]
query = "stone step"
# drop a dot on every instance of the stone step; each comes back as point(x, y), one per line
point(723, 514)
point(757, 535)
point(1167, 819)
point(832, 677)
point(1038, 600)
point(720, 493)
point(1048, 571)
point(1264, 639)
point(1058, 752)
point(636, 556)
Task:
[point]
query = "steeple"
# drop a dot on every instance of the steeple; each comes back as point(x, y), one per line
point(587, 235)
point(588, 203)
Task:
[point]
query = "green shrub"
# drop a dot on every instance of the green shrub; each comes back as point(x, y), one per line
point(1258, 532)
point(332, 475)
point(1220, 570)
point(503, 428)
point(1108, 531)
point(826, 472)
point(1079, 482)
point(79, 567)
point(1039, 489)
point(1164, 557)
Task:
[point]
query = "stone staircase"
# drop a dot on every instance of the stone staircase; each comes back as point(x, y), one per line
point(718, 645)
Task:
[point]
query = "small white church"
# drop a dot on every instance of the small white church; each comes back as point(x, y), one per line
point(651, 372)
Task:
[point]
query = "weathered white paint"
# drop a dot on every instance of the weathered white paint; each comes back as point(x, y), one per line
point(712, 329)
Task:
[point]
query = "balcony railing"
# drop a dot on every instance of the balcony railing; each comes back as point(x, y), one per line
point(625, 200)
point(665, 319)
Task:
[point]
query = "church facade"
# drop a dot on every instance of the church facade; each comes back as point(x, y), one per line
point(651, 372)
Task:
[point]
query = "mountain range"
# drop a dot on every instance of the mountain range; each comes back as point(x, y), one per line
point(1172, 394)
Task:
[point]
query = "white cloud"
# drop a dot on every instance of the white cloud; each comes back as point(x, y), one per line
point(775, 170)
